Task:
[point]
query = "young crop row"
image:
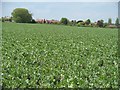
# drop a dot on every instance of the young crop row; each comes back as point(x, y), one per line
point(44, 56)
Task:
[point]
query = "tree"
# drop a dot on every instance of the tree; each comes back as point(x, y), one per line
point(100, 23)
point(72, 23)
point(44, 21)
point(105, 24)
point(79, 21)
point(21, 15)
point(81, 24)
point(64, 21)
point(117, 22)
point(33, 21)
point(87, 22)
point(109, 21)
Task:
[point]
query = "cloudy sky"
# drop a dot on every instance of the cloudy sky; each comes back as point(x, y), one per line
point(71, 10)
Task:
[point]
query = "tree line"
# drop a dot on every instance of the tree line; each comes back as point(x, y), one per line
point(22, 15)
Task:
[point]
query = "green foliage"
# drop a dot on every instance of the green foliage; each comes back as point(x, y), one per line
point(47, 56)
point(87, 22)
point(21, 15)
point(109, 21)
point(73, 23)
point(64, 21)
point(78, 24)
point(105, 24)
point(79, 21)
point(117, 22)
point(81, 24)
point(100, 23)
point(92, 24)
point(33, 21)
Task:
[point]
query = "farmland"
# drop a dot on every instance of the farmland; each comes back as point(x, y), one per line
point(47, 56)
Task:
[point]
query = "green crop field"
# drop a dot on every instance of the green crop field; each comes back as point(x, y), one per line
point(47, 56)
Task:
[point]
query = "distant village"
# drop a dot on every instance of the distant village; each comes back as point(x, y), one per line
point(79, 23)
point(47, 21)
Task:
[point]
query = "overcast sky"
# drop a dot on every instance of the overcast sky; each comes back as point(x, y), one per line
point(71, 10)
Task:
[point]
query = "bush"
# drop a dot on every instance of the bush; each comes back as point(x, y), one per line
point(6, 19)
point(87, 22)
point(100, 23)
point(64, 21)
point(73, 23)
point(78, 24)
point(81, 24)
point(33, 21)
point(105, 24)
point(79, 21)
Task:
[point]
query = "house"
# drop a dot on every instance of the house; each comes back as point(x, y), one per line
point(47, 21)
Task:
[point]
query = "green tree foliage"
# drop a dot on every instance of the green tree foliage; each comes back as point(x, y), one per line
point(73, 23)
point(100, 23)
point(21, 15)
point(81, 24)
point(33, 21)
point(117, 22)
point(105, 24)
point(79, 21)
point(64, 21)
point(109, 21)
point(87, 22)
